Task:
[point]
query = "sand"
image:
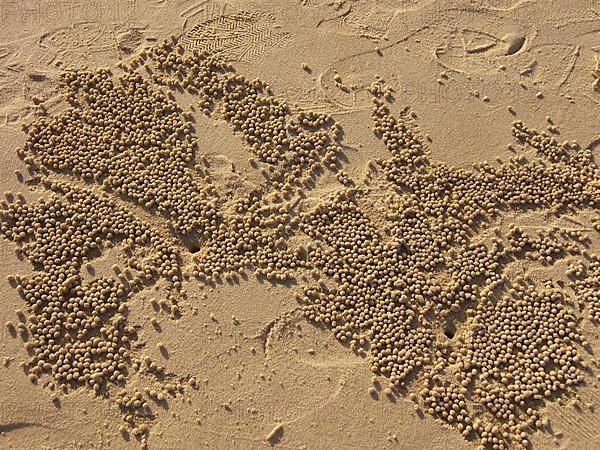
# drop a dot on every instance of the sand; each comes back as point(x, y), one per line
point(386, 237)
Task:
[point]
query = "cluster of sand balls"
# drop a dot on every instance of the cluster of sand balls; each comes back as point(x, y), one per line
point(378, 304)
point(129, 137)
point(474, 270)
point(449, 403)
point(436, 212)
point(543, 247)
point(386, 284)
point(514, 356)
point(412, 286)
point(442, 206)
point(569, 180)
point(77, 329)
point(138, 412)
point(375, 303)
point(522, 348)
point(586, 284)
point(138, 406)
point(552, 150)
point(295, 146)
point(255, 236)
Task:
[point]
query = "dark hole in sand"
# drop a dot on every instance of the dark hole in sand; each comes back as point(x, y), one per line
point(515, 44)
point(450, 331)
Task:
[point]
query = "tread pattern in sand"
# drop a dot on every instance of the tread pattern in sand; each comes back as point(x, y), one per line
point(241, 36)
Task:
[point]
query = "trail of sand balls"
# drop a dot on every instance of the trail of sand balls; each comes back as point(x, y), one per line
point(297, 147)
point(131, 139)
point(78, 329)
point(424, 296)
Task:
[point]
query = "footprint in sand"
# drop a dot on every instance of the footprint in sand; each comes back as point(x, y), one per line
point(363, 18)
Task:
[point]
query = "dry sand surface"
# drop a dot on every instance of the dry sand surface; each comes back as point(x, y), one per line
point(300, 224)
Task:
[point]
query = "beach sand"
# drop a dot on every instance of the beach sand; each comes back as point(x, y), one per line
point(300, 224)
